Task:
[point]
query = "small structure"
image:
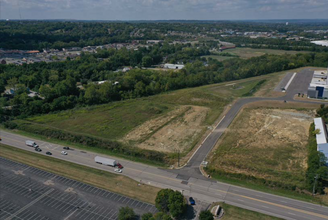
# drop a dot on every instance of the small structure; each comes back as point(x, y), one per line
point(321, 136)
point(318, 87)
point(173, 66)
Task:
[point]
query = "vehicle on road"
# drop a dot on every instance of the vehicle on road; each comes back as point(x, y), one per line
point(38, 149)
point(64, 152)
point(119, 165)
point(117, 170)
point(192, 201)
point(66, 148)
point(106, 161)
point(48, 153)
point(0, 139)
point(31, 144)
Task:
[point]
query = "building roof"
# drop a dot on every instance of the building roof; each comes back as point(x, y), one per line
point(322, 136)
point(319, 79)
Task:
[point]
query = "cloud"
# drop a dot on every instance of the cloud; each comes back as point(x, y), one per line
point(165, 9)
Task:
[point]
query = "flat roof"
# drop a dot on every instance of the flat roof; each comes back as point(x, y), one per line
point(322, 136)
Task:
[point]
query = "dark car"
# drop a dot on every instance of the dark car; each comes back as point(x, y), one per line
point(192, 201)
point(119, 165)
point(48, 153)
point(38, 149)
point(66, 148)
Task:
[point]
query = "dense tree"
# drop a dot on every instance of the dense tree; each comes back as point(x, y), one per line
point(170, 201)
point(126, 213)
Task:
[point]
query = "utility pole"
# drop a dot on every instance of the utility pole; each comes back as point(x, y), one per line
point(315, 181)
point(178, 158)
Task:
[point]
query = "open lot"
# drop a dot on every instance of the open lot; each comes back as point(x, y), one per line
point(30, 193)
point(266, 144)
point(246, 53)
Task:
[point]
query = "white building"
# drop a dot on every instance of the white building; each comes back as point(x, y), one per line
point(173, 66)
point(321, 137)
point(318, 87)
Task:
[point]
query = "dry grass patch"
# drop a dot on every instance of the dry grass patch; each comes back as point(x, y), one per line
point(267, 144)
point(178, 130)
point(102, 179)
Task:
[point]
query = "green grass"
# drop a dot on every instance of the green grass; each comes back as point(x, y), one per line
point(246, 53)
point(218, 57)
point(236, 213)
point(113, 121)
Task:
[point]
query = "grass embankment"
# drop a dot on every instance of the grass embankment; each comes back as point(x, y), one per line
point(235, 213)
point(102, 179)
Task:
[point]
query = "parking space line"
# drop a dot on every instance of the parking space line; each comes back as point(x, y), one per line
point(29, 204)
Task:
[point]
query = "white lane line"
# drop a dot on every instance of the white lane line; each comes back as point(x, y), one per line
point(291, 213)
point(29, 205)
point(290, 81)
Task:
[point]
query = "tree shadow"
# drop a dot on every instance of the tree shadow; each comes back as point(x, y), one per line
point(190, 213)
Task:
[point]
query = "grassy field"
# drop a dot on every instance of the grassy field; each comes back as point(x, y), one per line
point(102, 179)
point(236, 213)
point(266, 144)
point(178, 119)
point(246, 53)
point(218, 57)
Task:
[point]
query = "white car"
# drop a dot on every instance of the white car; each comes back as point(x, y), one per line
point(118, 170)
point(64, 153)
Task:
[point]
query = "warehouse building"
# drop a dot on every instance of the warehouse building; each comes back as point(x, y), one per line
point(321, 137)
point(318, 87)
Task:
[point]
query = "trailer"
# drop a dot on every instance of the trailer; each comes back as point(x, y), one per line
point(106, 161)
point(31, 144)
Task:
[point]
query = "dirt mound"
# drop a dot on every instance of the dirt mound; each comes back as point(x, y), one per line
point(177, 130)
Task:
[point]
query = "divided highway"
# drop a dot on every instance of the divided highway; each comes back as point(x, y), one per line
point(189, 180)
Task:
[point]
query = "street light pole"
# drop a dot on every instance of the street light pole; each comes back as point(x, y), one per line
point(315, 181)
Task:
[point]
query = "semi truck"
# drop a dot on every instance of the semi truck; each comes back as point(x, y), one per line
point(31, 144)
point(106, 161)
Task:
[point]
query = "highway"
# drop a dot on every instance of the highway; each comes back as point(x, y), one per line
point(189, 180)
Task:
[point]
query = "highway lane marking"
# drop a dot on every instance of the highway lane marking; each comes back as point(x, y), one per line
point(173, 179)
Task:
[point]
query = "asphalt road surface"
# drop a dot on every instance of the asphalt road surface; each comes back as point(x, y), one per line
point(32, 194)
point(189, 180)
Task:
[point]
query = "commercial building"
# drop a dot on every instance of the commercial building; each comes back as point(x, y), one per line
point(321, 137)
point(173, 66)
point(318, 87)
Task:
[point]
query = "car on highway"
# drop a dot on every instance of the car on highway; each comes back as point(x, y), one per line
point(117, 170)
point(48, 153)
point(64, 152)
point(66, 148)
point(192, 201)
point(38, 149)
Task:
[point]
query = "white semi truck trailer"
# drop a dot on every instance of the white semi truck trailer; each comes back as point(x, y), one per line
point(106, 161)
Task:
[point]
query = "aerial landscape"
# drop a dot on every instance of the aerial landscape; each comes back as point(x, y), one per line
point(163, 110)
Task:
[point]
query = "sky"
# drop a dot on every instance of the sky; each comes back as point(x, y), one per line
point(164, 9)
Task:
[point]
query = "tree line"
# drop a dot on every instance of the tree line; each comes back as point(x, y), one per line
point(70, 84)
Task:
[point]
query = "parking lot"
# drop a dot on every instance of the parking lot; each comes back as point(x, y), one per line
point(30, 193)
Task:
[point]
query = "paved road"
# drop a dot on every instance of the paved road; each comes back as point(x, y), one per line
point(190, 181)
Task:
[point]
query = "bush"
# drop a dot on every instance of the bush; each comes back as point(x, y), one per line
point(206, 215)
point(10, 125)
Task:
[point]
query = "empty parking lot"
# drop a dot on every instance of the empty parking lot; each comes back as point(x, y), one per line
point(30, 193)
